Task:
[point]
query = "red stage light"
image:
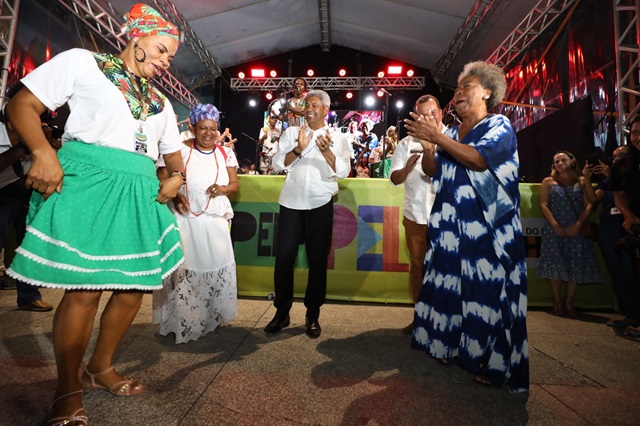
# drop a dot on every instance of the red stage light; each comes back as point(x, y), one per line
point(310, 72)
point(273, 73)
point(342, 72)
point(381, 74)
point(394, 69)
point(349, 95)
point(409, 73)
point(240, 74)
point(257, 72)
point(269, 96)
point(380, 93)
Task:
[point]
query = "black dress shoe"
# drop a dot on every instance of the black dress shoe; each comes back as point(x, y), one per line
point(313, 328)
point(277, 323)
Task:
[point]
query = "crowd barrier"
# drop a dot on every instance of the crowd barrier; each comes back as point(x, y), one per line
point(369, 261)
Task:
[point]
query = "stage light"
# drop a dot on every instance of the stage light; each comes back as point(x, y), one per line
point(257, 72)
point(380, 93)
point(269, 96)
point(410, 73)
point(342, 72)
point(381, 74)
point(273, 73)
point(394, 70)
point(369, 101)
point(399, 104)
point(349, 95)
point(310, 72)
point(241, 74)
point(252, 102)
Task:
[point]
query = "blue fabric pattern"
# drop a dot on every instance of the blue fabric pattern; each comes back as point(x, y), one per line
point(473, 302)
point(567, 258)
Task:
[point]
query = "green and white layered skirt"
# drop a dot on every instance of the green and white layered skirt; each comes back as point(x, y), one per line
point(104, 231)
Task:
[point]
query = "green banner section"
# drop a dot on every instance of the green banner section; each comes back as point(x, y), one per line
point(369, 259)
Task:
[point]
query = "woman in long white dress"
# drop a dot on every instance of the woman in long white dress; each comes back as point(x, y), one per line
point(202, 293)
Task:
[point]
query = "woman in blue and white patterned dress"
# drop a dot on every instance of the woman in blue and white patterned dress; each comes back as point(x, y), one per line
point(473, 303)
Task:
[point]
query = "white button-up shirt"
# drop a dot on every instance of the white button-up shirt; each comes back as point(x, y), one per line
point(310, 181)
point(419, 193)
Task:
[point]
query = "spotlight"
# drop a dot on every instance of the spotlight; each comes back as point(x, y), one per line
point(349, 95)
point(269, 96)
point(394, 69)
point(342, 72)
point(399, 104)
point(380, 93)
point(369, 101)
point(273, 73)
point(410, 73)
point(381, 74)
point(257, 72)
point(241, 74)
point(252, 102)
point(310, 72)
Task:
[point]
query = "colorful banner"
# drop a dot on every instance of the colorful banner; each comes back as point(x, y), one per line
point(369, 261)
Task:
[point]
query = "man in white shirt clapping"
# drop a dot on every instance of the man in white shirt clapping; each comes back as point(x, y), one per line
point(314, 159)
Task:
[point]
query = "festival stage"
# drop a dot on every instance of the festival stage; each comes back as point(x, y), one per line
point(369, 258)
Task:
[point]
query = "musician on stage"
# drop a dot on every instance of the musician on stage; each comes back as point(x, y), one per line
point(294, 108)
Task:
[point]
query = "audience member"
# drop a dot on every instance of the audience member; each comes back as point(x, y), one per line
point(353, 140)
point(366, 142)
point(625, 184)
point(269, 136)
point(419, 195)
point(618, 262)
point(565, 254)
point(314, 159)
point(202, 293)
point(15, 161)
point(118, 125)
point(473, 301)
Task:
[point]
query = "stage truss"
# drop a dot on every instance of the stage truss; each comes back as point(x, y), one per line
point(627, 28)
point(284, 84)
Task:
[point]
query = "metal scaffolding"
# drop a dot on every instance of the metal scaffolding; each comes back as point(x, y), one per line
point(627, 29)
point(172, 13)
point(543, 14)
point(474, 19)
point(108, 28)
point(328, 83)
point(8, 21)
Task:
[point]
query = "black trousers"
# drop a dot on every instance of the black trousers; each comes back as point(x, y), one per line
point(314, 229)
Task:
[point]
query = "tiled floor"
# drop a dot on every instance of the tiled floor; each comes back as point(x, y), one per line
point(361, 371)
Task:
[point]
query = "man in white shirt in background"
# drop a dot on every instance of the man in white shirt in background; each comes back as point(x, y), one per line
point(314, 159)
point(419, 195)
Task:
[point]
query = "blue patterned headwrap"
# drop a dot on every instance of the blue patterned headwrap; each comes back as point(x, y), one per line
point(201, 112)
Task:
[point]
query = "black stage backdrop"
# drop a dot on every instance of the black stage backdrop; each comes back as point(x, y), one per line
point(569, 129)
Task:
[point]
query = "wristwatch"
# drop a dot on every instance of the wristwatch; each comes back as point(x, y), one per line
point(296, 153)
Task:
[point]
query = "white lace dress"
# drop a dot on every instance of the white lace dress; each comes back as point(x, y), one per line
point(202, 293)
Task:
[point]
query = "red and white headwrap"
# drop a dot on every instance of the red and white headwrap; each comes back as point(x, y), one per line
point(143, 20)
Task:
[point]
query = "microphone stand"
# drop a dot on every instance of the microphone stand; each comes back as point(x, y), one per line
point(257, 163)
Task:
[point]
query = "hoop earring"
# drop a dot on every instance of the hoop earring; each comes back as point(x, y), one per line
point(135, 54)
